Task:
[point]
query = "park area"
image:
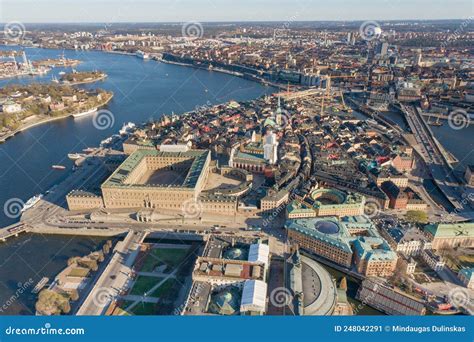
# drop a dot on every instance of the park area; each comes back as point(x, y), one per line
point(162, 275)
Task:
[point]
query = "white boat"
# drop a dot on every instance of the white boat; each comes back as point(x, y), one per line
point(126, 128)
point(74, 156)
point(142, 55)
point(62, 73)
point(87, 112)
point(31, 202)
point(88, 150)
point(106, 141)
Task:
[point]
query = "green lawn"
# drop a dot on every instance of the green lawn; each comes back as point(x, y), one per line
point(169, 285)
point(171, 257)
point(144, 284)
point(144, 309)
point(79, 272)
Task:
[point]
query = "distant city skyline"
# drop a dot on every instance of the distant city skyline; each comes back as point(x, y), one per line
point(90, 11)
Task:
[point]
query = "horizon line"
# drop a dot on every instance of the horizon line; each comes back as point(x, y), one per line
point(233, 21)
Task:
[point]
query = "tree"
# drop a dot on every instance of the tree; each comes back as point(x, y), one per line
point(72, 260)
point(74, 295)
point(52, 303)
point(100, 256)
point(88, 263)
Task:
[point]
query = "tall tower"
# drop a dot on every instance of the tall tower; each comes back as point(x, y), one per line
point(270, 148)
point(26, 62)
point(278, 118)
point(418, 58)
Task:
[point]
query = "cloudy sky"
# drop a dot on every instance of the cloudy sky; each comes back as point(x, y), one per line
point(229, 10)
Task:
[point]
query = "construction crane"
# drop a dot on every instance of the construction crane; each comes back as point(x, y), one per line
point(328, 92)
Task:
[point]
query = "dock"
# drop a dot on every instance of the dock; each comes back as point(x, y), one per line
point(42, 283)
point(13, 231)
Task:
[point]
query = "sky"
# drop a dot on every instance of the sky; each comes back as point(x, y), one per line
point(108, 11)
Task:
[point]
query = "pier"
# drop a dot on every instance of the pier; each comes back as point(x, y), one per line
point(42, 283)
point(13, 231)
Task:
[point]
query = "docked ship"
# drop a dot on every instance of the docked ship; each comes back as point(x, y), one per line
point(88, 150)
point(87, 112)
point(31, 202)
point(142, 55)
point(106, 141)
point(126, 128)
point(74, 156)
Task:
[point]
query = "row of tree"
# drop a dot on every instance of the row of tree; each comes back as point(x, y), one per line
point(57, 301)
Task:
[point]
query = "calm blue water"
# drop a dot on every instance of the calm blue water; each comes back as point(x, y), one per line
point(143, 90)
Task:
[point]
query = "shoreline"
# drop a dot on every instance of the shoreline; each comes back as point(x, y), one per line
point(224, 71)
point(3, 139)
point(125, 53)
point(84, 82)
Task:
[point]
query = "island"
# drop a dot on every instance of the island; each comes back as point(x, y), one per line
point(25, 106)
point(82, 77)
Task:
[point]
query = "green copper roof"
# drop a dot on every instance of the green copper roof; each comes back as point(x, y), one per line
point(121, 173)
point(445, 230)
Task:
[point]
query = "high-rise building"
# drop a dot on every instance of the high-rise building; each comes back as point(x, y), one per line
point(418, 58)
point(382, 49)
